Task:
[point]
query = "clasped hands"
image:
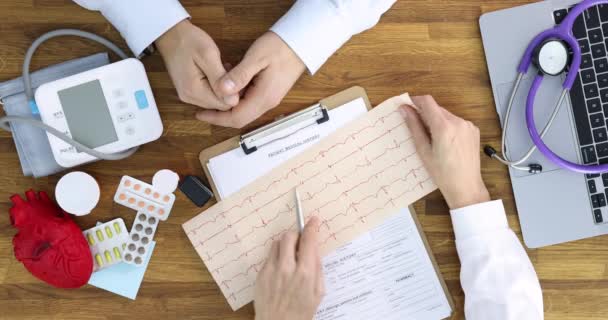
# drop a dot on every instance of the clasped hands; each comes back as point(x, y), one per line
point(229, 97)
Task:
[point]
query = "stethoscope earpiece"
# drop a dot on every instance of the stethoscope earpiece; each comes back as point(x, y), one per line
point(533, 168)
point(489, 151)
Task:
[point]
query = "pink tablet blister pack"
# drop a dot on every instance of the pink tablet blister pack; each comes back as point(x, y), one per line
point(143, 197)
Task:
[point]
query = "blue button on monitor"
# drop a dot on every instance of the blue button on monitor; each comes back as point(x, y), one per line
point(34, 107)
point(142, 101)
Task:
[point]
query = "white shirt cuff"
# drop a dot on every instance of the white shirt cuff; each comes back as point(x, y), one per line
point(141, 22)
point(479, 218)
point(314, 30)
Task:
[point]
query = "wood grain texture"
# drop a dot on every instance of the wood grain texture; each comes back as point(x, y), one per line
point(422, 47)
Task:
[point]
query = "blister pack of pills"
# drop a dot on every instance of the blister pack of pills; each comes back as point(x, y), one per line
point(107, 241)
point(142, 233)
point(153, 204)
point(143, 197)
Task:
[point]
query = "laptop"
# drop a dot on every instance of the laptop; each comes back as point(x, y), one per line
point(556, 205)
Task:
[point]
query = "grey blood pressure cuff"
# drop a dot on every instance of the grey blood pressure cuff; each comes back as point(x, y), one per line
point(32, 143)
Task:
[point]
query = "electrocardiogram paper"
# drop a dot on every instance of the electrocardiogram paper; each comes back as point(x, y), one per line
point(352, 180)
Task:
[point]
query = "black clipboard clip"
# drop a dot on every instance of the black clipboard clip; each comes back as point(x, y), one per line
point(283, 128)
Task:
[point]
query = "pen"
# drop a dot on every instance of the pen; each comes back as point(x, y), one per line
point(299, 215)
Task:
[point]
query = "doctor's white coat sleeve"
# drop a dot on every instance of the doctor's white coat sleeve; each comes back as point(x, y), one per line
point(315, 29)
point(140, 22)
point(497, 276)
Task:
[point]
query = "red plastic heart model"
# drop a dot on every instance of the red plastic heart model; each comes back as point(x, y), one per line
point(49, 244)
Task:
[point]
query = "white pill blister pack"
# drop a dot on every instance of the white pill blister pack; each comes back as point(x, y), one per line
point(142, 233)
point(153, 204)
point(107, 241)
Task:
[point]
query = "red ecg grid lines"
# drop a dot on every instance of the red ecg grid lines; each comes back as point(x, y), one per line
point(352, 181)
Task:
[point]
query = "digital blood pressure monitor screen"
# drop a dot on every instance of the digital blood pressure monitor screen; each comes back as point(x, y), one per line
point(87, 114)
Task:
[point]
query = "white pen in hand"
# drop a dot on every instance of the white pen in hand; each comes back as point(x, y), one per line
point(299, 214)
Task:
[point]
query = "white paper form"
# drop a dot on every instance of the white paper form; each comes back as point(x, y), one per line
point(234, 169)
point(385, 274)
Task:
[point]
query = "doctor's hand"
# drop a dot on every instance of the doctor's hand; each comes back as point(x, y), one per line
point(195, 66)
point(449, 147)
point(267, 72)
point(291, 285)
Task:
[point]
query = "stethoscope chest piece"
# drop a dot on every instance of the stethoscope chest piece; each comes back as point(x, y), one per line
point(551, 57)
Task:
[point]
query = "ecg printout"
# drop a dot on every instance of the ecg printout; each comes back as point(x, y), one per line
point(352, 180)
point(386, 271)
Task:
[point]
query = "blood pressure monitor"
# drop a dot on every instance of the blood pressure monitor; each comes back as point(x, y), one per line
point(109, 109)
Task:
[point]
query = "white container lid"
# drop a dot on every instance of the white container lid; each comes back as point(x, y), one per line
point(165, 181)
point(77, 193)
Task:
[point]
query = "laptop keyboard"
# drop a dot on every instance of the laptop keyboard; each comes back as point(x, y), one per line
point(589, 97)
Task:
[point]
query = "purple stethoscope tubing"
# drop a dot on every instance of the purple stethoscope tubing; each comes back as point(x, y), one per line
point(563, 32)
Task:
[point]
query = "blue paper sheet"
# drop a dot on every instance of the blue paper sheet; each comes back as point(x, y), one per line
point(123, 279)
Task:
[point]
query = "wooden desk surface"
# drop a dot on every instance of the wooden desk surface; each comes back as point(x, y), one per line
point(422, 47)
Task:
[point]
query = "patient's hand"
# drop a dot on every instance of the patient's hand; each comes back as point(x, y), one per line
point(194, 63)
point(449, 148)
point(265, 75)
point(290, 285)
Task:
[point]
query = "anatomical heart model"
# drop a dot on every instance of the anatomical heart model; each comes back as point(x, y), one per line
point(49, 244)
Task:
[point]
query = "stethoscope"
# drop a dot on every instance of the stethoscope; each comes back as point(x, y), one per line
point(548, 52)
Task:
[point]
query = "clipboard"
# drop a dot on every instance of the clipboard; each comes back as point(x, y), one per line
point(329, 103)
point(432, 257)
